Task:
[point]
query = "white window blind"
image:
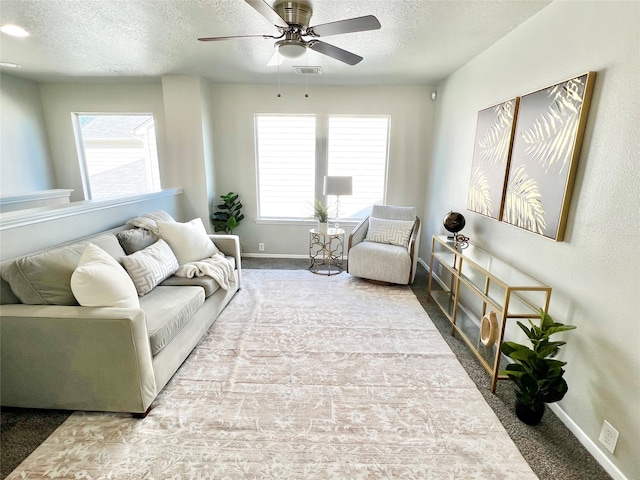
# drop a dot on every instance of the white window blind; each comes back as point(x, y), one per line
point(358, 147)
point(286, 157)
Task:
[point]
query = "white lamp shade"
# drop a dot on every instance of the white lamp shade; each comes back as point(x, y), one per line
point(338, 185)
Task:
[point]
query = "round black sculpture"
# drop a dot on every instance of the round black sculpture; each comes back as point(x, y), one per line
point(454, 222)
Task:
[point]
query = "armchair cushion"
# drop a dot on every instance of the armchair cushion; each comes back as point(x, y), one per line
point(392, 212)
point(395, 232)
point(381, 262)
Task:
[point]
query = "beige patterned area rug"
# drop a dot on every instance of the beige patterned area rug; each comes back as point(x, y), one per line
point(301, 377)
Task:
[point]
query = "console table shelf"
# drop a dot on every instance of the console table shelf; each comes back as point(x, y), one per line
point(469, 284)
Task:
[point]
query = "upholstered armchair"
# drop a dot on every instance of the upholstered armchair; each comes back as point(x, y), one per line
point(384, 246)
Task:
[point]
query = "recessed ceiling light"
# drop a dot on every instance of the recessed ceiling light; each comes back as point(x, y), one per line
point(9, 65)
point(14, 30)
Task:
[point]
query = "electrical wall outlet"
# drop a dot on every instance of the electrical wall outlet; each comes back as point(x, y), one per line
point(261, 247)
point(609, 436)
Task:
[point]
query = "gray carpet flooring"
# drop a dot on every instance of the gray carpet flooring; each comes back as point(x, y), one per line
point(550, 448)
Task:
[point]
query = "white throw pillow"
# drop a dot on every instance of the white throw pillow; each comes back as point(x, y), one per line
point(395, 232)
point(189, 241)
point(100, 281)
point(150, 266)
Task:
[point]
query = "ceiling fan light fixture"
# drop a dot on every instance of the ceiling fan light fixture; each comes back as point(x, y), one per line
point(291, 48)
point(14, 30)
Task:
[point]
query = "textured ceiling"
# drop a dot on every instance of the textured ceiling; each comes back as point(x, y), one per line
point(420, 42)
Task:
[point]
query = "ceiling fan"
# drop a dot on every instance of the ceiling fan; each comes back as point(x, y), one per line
point(291, 18)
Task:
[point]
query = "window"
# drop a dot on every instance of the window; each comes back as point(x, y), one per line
point(358, 147)
point(286, 151)
point(291, 163)
point(118, 154)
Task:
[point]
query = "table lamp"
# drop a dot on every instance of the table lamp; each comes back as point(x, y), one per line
point(337, 186)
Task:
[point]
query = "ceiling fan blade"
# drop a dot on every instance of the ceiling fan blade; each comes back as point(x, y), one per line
point(269, 13)
point(215, 39)
point(276, 59)
point(359, 24)
point(334, 52)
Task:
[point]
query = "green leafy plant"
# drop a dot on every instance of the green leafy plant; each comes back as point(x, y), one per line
point(229, 213)
point(320, 211)
point(538, 377)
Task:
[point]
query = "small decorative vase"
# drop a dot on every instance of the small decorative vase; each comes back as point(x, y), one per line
point(322, 227)
point(528, 415)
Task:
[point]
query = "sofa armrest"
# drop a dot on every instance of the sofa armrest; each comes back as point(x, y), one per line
point(230, 245)
point(358, 234)
point(76, 358)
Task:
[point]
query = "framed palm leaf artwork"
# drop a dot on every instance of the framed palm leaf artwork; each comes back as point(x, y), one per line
point(491, 152)
point(549, 130)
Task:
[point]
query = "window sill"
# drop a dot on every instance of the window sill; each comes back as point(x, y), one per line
point(304, 222)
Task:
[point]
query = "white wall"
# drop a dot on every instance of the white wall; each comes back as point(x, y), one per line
point(24, 151)
point(60, 100)
point(185, 161)
point(36, 229)
point(234, 106)
point(595, 272)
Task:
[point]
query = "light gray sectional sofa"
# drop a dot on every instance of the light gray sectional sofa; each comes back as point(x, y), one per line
point(59, 355)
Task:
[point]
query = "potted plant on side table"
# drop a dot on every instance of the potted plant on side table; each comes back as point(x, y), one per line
point(322, 214)
point(537, 375)
point(229, 213)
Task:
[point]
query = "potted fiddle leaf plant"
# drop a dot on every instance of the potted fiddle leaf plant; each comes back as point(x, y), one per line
point(538, 377)
point(229, 213)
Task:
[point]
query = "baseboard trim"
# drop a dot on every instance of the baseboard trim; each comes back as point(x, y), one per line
point(588, 443)
point(593, 449)
point(273, 255)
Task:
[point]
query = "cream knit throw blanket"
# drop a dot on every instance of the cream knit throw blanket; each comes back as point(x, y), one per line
point(216, 267)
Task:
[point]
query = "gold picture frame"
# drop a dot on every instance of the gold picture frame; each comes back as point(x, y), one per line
point(491, 156)
point(548, 137)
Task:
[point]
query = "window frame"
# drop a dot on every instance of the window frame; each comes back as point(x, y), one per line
point(82, 156)
point(321, 166)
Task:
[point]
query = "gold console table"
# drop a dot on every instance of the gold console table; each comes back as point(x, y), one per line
point(478, 293)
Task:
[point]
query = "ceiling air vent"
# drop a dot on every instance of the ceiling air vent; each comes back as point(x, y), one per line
point(308, 70)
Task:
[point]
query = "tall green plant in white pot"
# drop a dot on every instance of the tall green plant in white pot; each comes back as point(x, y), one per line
point(538, 377)
point(229, 213)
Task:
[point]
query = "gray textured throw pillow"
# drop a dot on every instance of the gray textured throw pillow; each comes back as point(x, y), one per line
point(136, 239)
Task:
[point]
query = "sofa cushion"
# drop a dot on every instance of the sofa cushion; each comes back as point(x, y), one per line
point(150, 266)
point(209, 284)
point(100, 281)
point(7, 297)
point(395, 232)
point(168, 310)
point(135, 239)
point(45, 278)
point(189, 241)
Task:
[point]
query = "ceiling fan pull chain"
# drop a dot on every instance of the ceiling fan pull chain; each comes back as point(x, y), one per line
point(306, 79)
point(278, 81)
